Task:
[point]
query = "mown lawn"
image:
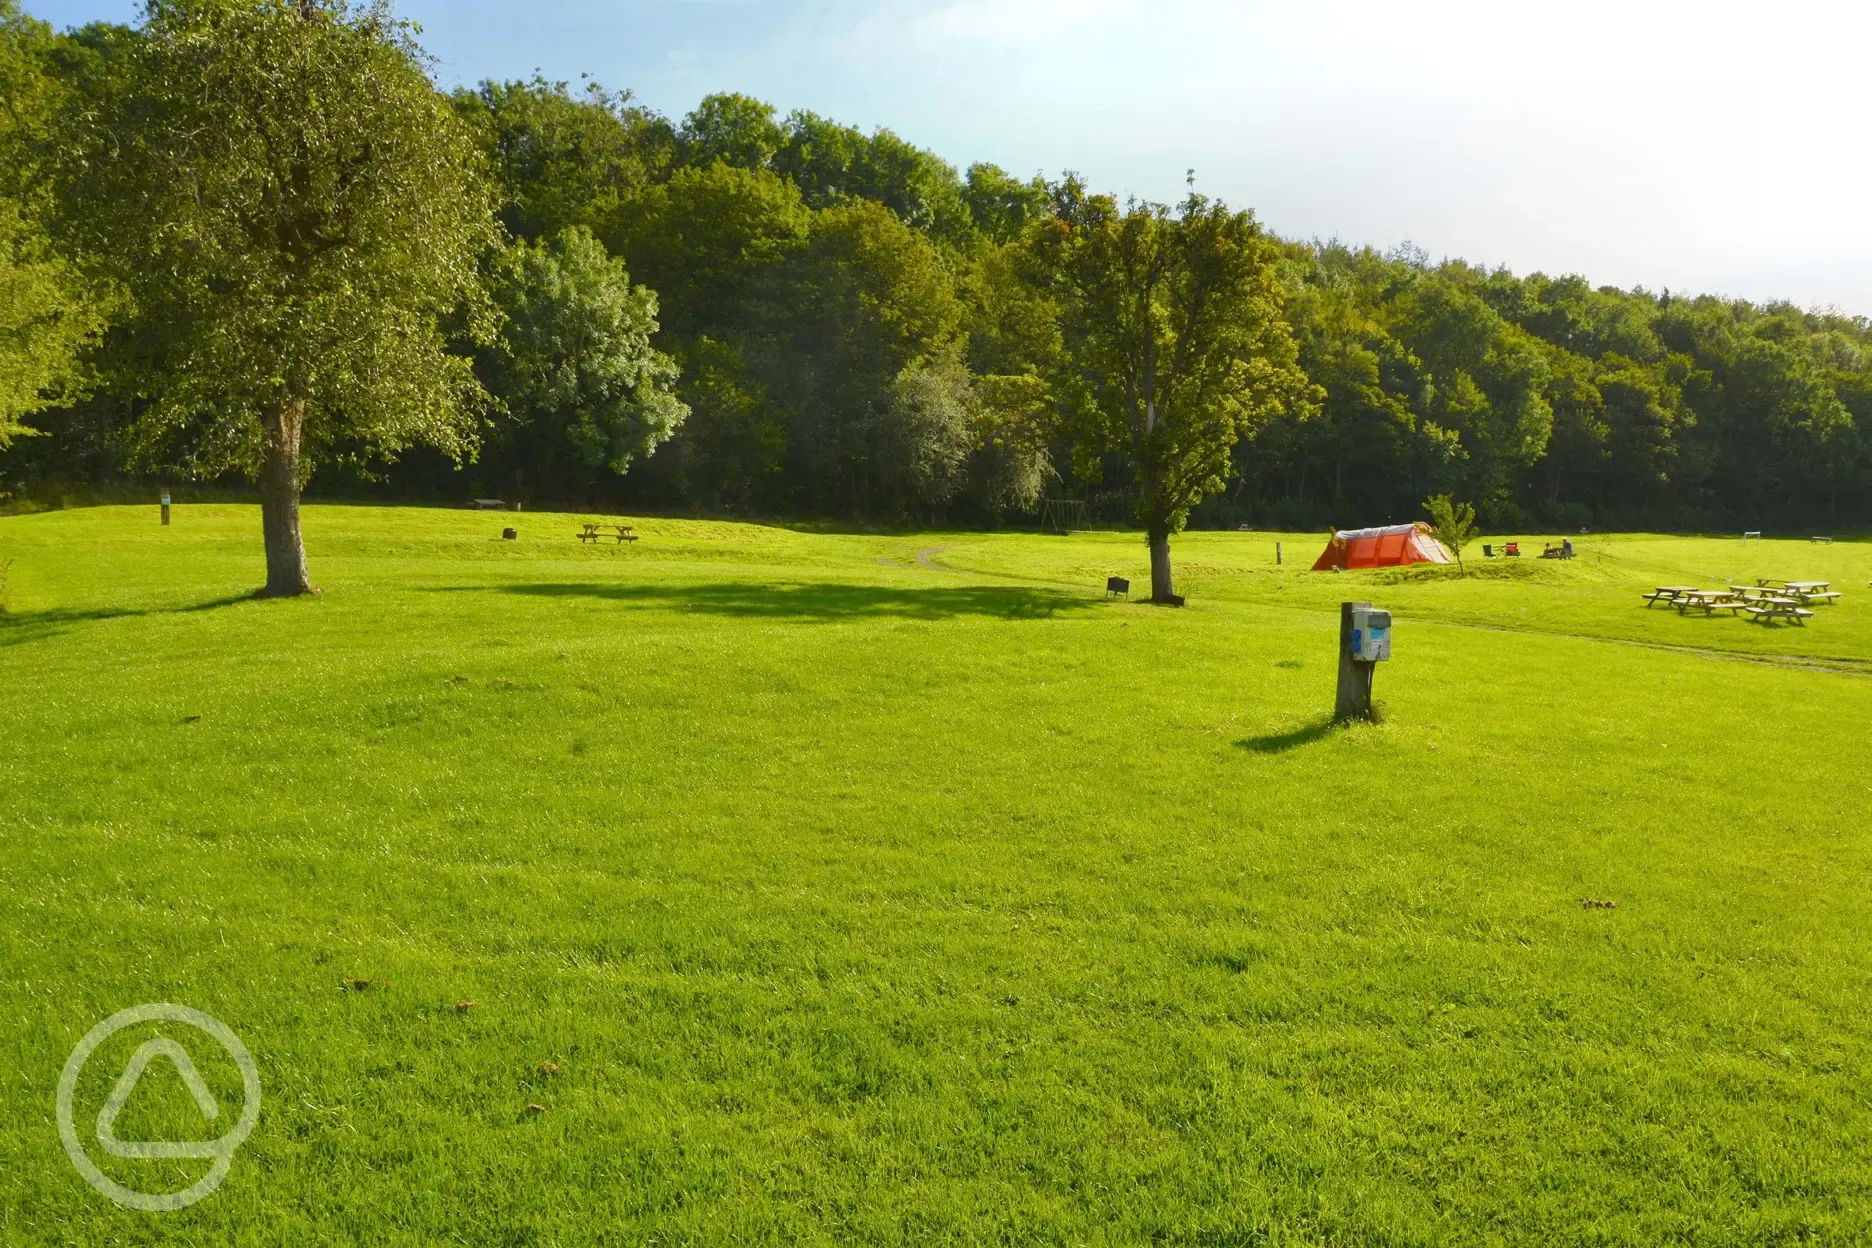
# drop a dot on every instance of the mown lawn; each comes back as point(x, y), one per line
point(904, 890)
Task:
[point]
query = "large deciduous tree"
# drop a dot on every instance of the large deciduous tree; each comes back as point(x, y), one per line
point(584, 389)
point(1175, 345)
point(299, 216)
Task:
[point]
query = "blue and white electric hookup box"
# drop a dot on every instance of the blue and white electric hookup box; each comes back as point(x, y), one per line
point(1371, 635)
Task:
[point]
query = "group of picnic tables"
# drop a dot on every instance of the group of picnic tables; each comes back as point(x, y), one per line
point(1765, 602)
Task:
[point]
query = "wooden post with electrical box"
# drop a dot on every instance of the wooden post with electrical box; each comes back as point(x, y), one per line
point(1364, 643)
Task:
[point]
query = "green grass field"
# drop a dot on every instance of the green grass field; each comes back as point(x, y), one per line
point(867, 890)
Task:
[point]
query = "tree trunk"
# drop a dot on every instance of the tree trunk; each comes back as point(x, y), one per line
point(279, 503)
point(1161, 590)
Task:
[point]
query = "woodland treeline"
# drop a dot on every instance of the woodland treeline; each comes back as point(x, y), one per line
point(744, 313)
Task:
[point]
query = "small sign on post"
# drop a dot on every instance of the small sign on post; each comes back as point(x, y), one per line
point(165, 508)
point(1364, 643)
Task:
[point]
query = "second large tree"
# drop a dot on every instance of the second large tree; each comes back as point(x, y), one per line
point(1175, 345)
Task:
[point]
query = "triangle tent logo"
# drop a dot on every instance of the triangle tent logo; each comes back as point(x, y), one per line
point(126, 1084)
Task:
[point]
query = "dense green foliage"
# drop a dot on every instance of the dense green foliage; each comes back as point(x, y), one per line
point(47, 313)
point(859, 329)
point(831, 876)
point(583, 387)
point(1545, 397)
point(295, 214)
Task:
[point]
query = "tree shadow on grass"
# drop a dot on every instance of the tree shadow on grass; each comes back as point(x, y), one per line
point(30, 626)
point(1293, 739)
point(797, 601)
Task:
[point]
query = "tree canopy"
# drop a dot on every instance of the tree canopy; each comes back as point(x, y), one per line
point(854, 327)
point(48, 313)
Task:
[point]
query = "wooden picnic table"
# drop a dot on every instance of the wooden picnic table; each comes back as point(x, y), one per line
point(1709, 601)
point(1768, 610)
point(1807, 592)
point(593, 533)
point(1667, 594)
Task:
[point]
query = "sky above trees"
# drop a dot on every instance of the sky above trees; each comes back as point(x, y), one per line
point(1706, 146)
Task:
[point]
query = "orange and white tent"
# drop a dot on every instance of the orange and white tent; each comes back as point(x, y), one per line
point(1392, 547)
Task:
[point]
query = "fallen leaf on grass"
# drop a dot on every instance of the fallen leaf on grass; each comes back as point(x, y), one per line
point(365, 985)
point(536, 1109)
point(462, 1007)
point(549, 1068)
point(191, 719)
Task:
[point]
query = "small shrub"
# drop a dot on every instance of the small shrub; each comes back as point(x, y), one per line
point(1454, 524)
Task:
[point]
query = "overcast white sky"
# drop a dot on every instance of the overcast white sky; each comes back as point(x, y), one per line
point(1701, 146)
